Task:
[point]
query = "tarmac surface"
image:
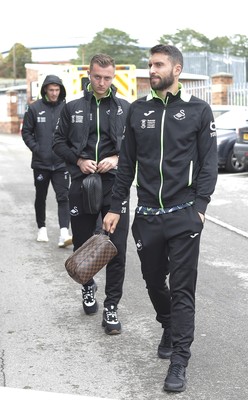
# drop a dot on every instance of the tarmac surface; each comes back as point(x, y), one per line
point(50, 348)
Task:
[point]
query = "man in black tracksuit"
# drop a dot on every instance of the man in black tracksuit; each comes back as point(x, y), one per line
point(88, 138)
point(37, 132)
point(170, 141)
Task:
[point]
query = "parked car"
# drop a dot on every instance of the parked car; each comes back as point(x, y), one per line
point(220, 109)
point(227, 127)
point(241, 146)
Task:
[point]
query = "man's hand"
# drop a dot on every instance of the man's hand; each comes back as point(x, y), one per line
point(110, 222)
point(87, 166)
point(202, 216)
point(107, 163)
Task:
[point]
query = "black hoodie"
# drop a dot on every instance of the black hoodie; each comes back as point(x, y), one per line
point(38, 128)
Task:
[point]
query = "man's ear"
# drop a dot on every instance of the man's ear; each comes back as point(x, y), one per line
point(178, 69)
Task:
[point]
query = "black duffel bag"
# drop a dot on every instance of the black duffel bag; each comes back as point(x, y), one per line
point(92, 193)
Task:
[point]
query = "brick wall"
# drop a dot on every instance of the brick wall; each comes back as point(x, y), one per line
point(10, 123)
point(220, 83)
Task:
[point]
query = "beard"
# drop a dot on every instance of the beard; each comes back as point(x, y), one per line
point(163, 83)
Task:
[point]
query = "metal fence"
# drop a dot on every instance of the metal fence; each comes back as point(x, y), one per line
point(201, 89)
point(209, 64)
point(237, 94)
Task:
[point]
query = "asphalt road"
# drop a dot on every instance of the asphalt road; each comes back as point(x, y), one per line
point(48, 344)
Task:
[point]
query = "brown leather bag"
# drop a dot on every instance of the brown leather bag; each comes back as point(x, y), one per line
point(90, 258)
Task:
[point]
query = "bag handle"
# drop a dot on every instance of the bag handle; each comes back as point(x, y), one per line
point(102, 231)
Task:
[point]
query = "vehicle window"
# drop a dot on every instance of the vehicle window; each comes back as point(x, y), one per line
point(232, 120)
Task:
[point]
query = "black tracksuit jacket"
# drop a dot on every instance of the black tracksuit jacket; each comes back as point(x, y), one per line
point(39, 123)
point(72, 131)
point(171, 145)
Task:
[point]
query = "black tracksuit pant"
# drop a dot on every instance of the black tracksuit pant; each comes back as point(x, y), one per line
point(60, 181)
point(169, 244)
point(84, 226)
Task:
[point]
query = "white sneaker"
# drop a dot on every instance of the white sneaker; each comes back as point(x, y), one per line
point(42, 235)
point(65, 239)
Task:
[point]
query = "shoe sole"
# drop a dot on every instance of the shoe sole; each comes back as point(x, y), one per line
point(110, 332)
point(170, 389)
point(66, 243)
point(164, 357)
point(91, 313)
point(42, 240)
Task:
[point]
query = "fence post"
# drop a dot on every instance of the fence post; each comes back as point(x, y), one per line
point(220, 83)
point(10, 121)
point(12, 99)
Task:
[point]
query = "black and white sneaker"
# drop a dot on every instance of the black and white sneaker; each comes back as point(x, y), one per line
point(110, 321)
point(89, 301)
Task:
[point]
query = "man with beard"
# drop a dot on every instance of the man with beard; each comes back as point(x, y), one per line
point(170, 144)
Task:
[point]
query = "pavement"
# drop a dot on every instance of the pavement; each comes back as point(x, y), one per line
point(49, 348)
point(22, 394)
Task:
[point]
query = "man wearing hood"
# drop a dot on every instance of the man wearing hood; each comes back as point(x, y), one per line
point(37, 132)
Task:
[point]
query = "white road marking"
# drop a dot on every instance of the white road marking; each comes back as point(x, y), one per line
point(227, 226)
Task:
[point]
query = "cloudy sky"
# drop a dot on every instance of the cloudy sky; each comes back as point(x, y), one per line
point(49, 23)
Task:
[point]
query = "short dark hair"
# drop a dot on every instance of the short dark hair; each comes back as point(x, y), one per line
point(171, 51)
point(103, 60)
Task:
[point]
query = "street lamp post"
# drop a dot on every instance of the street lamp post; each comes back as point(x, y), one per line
point(14, 64)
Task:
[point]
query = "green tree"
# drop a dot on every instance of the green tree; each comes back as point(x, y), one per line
point(117, 44)
point(187, 40)
point(239, 45)
point(220, 45)
point(14, 64)
point(1, 66)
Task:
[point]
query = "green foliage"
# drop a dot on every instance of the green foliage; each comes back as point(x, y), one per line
point(13, 66)
point(125, 50)
point(220, 45)
point(188, 40)
point(117, 44)
point(239, 46)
